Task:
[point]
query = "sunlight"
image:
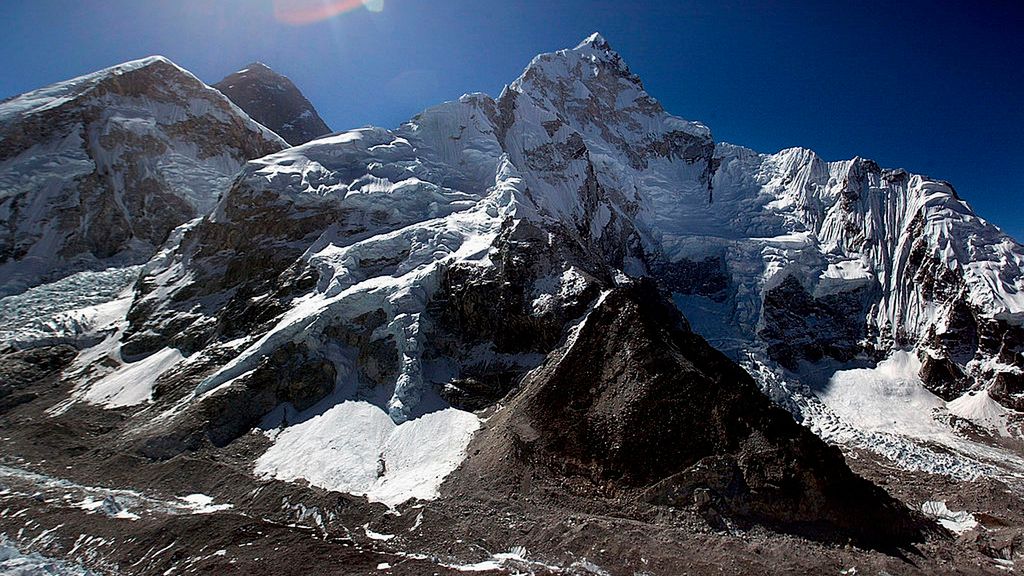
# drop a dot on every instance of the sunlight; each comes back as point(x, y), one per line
point(301, 12)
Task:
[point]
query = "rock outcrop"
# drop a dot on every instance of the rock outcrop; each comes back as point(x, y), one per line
point(634, 405)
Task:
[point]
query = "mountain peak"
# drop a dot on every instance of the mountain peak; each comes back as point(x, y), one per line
point(154, 62)
point(595, 40)
point(257, 67)
point(134, 136)
point(583, 63)
point(273, 100)
point(143, 62)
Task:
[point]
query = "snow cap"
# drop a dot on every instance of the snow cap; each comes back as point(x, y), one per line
point(595, 40)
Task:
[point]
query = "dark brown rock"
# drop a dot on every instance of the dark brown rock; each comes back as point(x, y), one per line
point(273, 100)
point(637, 406)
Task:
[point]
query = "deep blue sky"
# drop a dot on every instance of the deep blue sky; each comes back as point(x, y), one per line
point(935, 87)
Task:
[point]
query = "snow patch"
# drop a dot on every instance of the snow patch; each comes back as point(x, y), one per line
point(132, 383)
point(958, 522)
point(355, 447)
point(376, 535)
point(887, 410)
point(203, 504)
point(889, 397)
point(108, 505)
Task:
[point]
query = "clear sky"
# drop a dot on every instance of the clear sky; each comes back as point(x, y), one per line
point(935, 87)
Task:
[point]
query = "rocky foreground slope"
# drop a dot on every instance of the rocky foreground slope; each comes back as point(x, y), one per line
point(456, 345)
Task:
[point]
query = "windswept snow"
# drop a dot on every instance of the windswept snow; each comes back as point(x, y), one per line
point(132, 383)
point(356, 447)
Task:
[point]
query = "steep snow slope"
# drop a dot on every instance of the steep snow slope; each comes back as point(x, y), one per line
point(99, 169)
point(273, 100)
point(860, 261)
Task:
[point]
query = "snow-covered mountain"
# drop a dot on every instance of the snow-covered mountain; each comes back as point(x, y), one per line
point(273, 100)
point(98, 170)
point(428, 268)
point(846, 260)
point(783, 255)
point(476, 307)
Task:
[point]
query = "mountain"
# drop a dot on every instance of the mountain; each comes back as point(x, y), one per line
point(788, 258)
point(485, 340)
point(273, 100)
point(633, 401)
point(96, 171)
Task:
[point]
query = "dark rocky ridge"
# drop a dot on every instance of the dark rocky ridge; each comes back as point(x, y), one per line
point(274, 101)
point(637, 404)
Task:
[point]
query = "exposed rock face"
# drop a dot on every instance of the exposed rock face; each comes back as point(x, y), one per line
point(98, 170)
point(635, 403)
point(799, 327)
point(23, 369)
point(273, 100)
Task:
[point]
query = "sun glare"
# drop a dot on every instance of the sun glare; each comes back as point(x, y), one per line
point(300, 12)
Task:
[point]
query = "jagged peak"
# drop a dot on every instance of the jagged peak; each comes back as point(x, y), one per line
point(596, 48)
point(566, 63)
point(595, 40)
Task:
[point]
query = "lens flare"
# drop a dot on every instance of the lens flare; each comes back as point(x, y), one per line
point(300, 12)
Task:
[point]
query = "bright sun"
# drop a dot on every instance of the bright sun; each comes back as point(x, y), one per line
point(300, 12)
